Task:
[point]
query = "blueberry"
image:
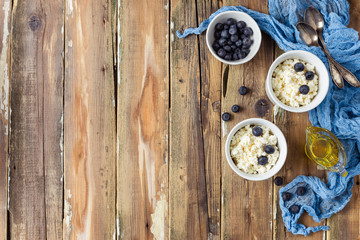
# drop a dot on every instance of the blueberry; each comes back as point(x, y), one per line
point(240, 24)
point(309, 75)
point(242, 36)
point(229, 42)
point(278, 181)
point(286, 196)
point(226, 26)
point(304, 89)
point(300, 191)
point(230, 21)
point(221, 52)
point(248, 31)
point(238, 43)
point(245, 51)
point(262, 160)
point(217, 34)
point(257, 131)
point(228, 57)
point(269, 149)
point(235, 56)
point(232, 30)
point(233, 47)
point(219, 26)
point(235, 108)
point(222, 42)
point(243, 90)
point(225, 34)
point(246, 42)
point(216, 46)
point(227, 48)
point(242, 55)
point(226, 116)
point(234, 38)
point(294, 209)
point(298, 67)
point(237, 50)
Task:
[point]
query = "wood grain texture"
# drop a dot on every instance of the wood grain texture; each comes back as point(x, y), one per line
point(142, 120)
point(246, 206)
point(5, 12)
point(35, 203)
point(89, 122)
point(346, 223)
point(187, 177)
point(210, 104)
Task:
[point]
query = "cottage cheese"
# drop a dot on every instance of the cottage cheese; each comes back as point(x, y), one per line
point(286, 83)
point(245, 149)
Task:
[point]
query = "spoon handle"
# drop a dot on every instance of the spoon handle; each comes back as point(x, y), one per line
point(346, 74)
point(335, 75)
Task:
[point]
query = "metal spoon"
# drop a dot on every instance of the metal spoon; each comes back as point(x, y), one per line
point(310, 37)
point(314, 18)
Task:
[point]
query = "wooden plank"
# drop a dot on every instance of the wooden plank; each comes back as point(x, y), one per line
point(4, 111)
point(210, 105)
point(187, 178)
point(345, 224)
point(36, 106)
point(246, 206)
point(142, 119)
point(89, 122)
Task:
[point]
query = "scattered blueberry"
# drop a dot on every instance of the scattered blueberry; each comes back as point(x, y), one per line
point(235, 108)
point(228, 57)
point(286, 196)
point(257, 131)
point(294, 209)
point(219, 26)
point(238, 43)
point(216, 46)
point(298, 67)
point(243, 90)
point(262, 160)
point(230, 21)
point(269, 149)
point(309, 75)
point(233, 30)
point(304, 89)
point(226, 116)
point(225, 33)
point(248, 31)
point(300, 191)
point(222, 42)
point(241, 24)
point(278, 181)
point(234, 38)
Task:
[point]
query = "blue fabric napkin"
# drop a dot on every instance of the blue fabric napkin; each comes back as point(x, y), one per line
point(339, 112)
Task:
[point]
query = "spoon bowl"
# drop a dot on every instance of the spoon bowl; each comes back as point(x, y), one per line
point(308, 34)
point(314, 18)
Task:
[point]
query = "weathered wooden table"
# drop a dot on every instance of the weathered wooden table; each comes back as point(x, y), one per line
point(110, 126)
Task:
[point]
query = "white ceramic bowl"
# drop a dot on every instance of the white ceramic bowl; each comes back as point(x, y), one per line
point(250, 22)
point(281, 145)
point(320, 69)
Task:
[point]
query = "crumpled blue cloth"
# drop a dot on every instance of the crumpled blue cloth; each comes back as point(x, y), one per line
point(339, 112)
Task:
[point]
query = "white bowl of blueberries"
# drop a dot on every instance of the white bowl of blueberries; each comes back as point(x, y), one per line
point(233, 37)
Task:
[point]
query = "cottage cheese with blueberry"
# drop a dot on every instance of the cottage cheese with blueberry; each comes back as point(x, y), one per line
point(295, 82)
point(249, 151)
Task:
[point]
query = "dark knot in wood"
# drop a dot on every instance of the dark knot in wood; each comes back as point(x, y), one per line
point(34, 22)
point(261, 107)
